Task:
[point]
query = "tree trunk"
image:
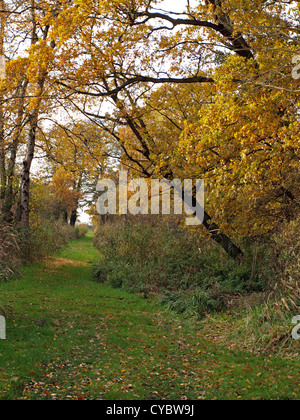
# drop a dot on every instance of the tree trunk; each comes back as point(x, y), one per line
point(226, 243)
point(219, 237)
point(2, 160)
point(215, 233)
point(9, 195)
point(25, 181)
point(73, 218)
point(74, 214)
point(33, 123)
point(2, 145)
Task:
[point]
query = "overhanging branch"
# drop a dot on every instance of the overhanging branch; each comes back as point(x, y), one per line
point(139, 79)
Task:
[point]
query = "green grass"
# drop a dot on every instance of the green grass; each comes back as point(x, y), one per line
point(71, 338)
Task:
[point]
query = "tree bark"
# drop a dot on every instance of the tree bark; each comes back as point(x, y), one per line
point(221, 238)
point(2, 139)
point(2, 159)
point(25, 180)
point(9, 194)
point(74, 214)
point(33, 123)
point(73, 218)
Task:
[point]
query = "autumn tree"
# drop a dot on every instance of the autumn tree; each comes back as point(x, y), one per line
point(63, 199)
point(222, 47)
point(81, 151)
point(29, 46)
point(227, 69)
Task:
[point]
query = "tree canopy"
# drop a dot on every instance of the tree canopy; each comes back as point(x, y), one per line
point(206, 90)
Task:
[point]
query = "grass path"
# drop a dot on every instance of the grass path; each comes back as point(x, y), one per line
point(70, 338)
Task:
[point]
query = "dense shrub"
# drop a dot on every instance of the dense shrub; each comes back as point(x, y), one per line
point(18, 246)
point(192, 273)
point(45, 239)
point(80, 231)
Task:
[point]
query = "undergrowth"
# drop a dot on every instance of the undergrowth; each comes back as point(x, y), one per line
point(18, 246)
point(192, 275)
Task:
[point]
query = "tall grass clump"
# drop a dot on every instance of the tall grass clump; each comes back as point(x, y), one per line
point(286, 254)
point(10, 252)
point(266, 327)
point(18, 246)
point(272, 324)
